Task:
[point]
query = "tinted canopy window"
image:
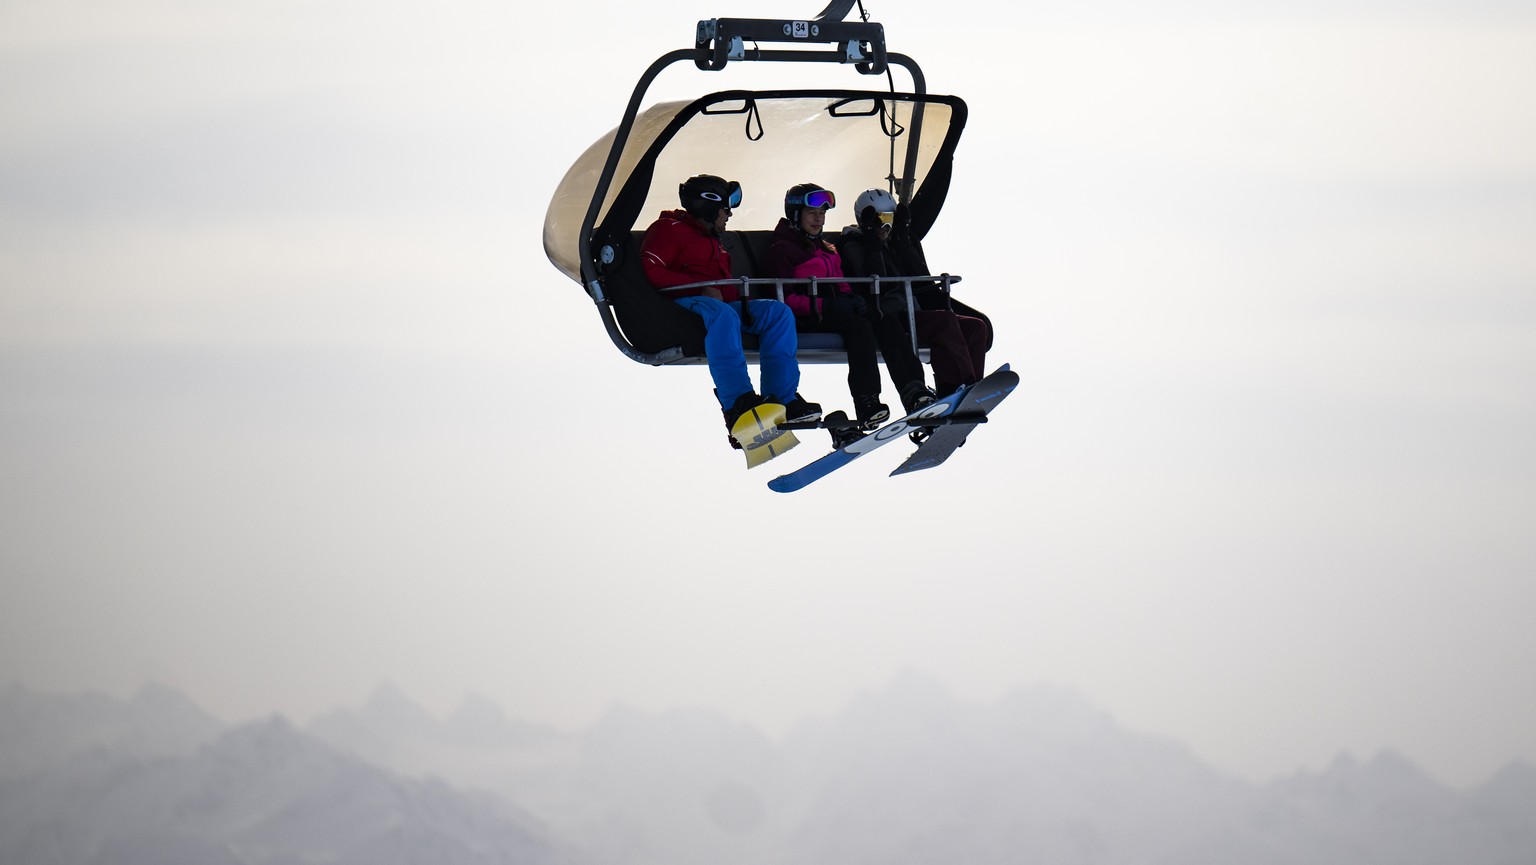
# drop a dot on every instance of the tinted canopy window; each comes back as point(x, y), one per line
point(844, 141)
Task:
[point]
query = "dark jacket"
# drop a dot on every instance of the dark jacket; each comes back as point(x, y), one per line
point(865, 254)
point(901, 254)
point(793, 254)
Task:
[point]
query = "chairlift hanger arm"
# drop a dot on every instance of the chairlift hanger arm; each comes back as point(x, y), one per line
point(836, 10)
point(721, 40)
point(699, 55)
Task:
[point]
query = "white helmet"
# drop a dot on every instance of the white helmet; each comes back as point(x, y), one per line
point(879, 199)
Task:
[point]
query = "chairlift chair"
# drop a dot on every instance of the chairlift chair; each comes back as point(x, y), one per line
point(845, 139)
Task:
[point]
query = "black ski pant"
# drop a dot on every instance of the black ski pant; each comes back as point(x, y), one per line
point(862, 337)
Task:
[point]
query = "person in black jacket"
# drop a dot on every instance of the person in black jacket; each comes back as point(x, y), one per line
point(882, 244)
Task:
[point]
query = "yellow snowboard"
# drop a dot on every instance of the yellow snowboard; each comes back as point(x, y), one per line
point(758, 433)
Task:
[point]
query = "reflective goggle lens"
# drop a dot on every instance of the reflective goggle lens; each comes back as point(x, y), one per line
point(822, 198)
point(733, 199)
point(888, 218)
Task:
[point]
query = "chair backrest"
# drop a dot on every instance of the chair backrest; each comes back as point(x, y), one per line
point(749, 250)
point(649, 321)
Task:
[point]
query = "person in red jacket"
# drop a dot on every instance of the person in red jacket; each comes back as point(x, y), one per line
point(800, 251)
point(682, 247)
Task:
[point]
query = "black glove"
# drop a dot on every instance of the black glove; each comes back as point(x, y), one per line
point(869, 219)
point(844, 303)
point(901, 225)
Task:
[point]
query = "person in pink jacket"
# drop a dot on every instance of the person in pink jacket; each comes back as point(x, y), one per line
point(799, 251)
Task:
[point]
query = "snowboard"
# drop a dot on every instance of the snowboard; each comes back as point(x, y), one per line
point(933, 415)
point(758, 433)
point(979, 400)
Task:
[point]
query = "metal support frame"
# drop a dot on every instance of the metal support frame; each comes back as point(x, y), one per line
point(719, 41)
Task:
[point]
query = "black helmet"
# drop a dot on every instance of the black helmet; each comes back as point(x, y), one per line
point(806, 195)
point(702, 195)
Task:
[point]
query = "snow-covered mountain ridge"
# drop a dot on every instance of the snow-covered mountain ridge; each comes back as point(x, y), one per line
point(907, 774)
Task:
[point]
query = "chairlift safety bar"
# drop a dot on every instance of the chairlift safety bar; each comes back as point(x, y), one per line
point(745, 283)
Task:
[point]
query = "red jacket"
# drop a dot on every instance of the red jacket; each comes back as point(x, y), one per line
point(679, 249)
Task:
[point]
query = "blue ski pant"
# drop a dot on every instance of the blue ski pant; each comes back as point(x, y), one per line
point(774, 325)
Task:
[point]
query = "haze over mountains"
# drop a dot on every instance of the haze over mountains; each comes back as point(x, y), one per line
point(905, 775)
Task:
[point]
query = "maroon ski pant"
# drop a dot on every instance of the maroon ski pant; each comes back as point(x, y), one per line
point(957, 348)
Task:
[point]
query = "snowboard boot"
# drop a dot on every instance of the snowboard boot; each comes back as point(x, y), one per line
point(871, 411)
point(916, 395)
point(844, 432)
point(797, 410)
point(743, 403)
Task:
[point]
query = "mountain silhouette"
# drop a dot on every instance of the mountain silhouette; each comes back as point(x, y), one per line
point(263, 792)
point(907, 773)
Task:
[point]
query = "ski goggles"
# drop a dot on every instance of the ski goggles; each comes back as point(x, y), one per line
point(819, 198)
point(731, 199)
point(887, 217)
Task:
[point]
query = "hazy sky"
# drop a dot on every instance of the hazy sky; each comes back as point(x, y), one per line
point(292, 403)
